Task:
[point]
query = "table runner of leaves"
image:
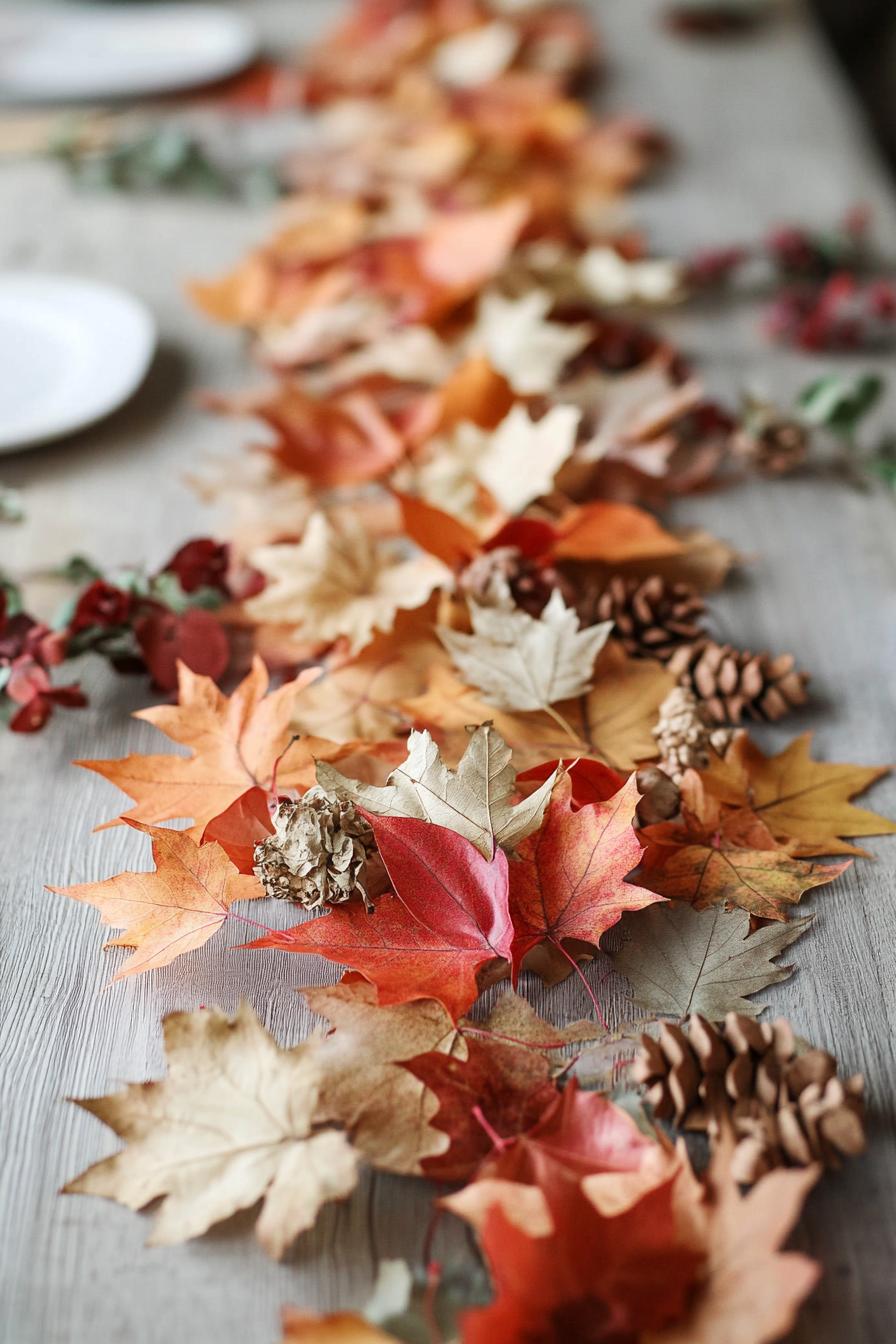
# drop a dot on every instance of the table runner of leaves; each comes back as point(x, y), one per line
point(500, 726)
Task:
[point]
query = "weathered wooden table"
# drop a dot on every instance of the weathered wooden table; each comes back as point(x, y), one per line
point(766, 132)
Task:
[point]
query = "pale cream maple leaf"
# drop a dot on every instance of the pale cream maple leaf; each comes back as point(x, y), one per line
point(475, 56)
point(515, 462)
point(523, 662)
point(230, 1125)
point(338, 581)
point(475, 800)
point(522, 344)
point(611, 279)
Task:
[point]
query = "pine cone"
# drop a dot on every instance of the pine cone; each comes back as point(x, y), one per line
point(321, 853)
point(731, 683)
point(686, 735)
point(784, 1108)
point(652, 618)
point(769, 441)
point(493, 573)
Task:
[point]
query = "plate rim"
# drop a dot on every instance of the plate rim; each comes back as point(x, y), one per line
point(241, 24)
point(147, 332)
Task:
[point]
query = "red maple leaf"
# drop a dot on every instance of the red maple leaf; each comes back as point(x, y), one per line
point(569, 878)
point(242, 826)
point(497, 1092)
point(447, 919)
point(592, 1278)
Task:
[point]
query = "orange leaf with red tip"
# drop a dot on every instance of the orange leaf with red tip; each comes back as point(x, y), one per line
point(569, 877)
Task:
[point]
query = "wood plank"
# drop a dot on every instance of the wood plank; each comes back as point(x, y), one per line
point(766, 132)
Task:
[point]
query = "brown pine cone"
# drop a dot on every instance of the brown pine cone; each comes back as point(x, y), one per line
point(652, 618)
point(784, 1108)
point(772, 444)
point(733, 683)
point(529, 583)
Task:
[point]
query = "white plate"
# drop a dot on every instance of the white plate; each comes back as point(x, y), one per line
point(115, 51)
point(71, 351)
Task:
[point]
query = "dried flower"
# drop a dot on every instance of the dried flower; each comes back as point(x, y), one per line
point(319, 852)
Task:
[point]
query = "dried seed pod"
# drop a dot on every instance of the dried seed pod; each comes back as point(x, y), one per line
point(319, 854)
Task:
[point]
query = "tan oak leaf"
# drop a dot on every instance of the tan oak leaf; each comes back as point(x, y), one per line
point(523, 662)
point(475, 800)
point(230, 1125)
point(339, 582)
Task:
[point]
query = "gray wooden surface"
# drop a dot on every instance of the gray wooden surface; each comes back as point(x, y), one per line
point(766, 131)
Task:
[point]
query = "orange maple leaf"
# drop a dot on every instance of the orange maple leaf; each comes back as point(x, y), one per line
point(170, 911)
point(613, 533)
point(235, 743)
point(732, 859)
point(344, 440)
point(796, 797)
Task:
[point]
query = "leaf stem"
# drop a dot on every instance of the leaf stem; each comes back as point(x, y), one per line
point(244, 919)
point(581, 974)
point(564, 724)
point(497, 1140)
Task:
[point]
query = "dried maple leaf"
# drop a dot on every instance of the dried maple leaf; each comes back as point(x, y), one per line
point(235, 743)
point(170, 911)
point(751, 1290)
point(497, 1092)
point(475, 800)
point(613, 533)
point(448, 920)
point(513, 463)
point(229, 1126)
point(341, 441)
point(518, 340)
point(337, 582)
point(568, 880)
point(575, 1273)
point(520, 662)
point(385, 1109)
point(681, 960)
point(361, 699)
point(613, 723)
point(364, 1089)
point(732, 861)
point(518, 460)
point(796, 797)
point(674, 1261)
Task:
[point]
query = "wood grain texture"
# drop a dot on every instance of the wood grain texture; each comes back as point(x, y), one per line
point(765, 132)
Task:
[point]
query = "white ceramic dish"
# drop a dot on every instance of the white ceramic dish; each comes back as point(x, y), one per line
point(71, 352)
point(66, 53)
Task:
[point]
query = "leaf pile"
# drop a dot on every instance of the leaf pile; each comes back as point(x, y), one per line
point(448, 557)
